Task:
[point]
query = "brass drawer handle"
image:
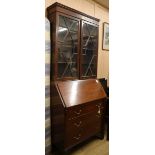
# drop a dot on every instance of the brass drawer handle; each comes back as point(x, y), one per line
point(100, 106)
point(77, 138)
point(78, 124)
point(78, 113)
point(99, 109)
point(99, 116)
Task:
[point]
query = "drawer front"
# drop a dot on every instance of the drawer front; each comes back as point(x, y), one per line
point(81, 128)
point(83, 121)
point(74, 112)
point(73, 139)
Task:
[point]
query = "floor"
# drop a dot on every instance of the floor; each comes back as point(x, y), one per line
point(93, 146)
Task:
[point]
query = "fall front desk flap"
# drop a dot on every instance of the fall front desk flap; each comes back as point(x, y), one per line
point(80, 91)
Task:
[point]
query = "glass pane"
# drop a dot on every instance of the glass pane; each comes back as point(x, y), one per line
point(92, 30)
point(62, 22)
point(89, 42)
point(85, 29)
point(67, 61)
point(68, 30)
point(64, 70)
point(67, 47)
point(62, 32)
point(71, 38)
point(89, 57)
point(72, 24)
point(66, 53)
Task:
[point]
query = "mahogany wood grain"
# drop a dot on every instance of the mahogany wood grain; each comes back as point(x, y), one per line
point(74, 123)
point(81, 91)
point(76, 111)
point(65, 9)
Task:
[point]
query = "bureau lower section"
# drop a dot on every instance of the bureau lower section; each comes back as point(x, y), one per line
point(81, 128)
point(77, 112)
point(80, 123)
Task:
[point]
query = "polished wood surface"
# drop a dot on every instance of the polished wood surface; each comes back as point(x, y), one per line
point(103, 81)
point(82, 127)
point(77, 111)
point(76, 120)
point(81, 91)
point(65, 9)
point(57, 116)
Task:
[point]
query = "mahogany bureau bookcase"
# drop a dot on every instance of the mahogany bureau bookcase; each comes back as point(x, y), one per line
point(74, 43)
point(77, 107)
point(78, 112)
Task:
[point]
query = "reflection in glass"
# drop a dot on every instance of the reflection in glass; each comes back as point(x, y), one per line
point(67, 47)
point(89, 56)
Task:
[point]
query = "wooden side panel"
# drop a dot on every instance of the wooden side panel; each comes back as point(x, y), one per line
point(57, 116)
point(52, 19)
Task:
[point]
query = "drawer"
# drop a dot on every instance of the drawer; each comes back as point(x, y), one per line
point(83, 121)
point(82, 128)
point(76, 111)
point(80, 135)
point(74, 138)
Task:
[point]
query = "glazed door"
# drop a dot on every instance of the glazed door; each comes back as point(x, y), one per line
point(89, 50)
point(68, 47)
